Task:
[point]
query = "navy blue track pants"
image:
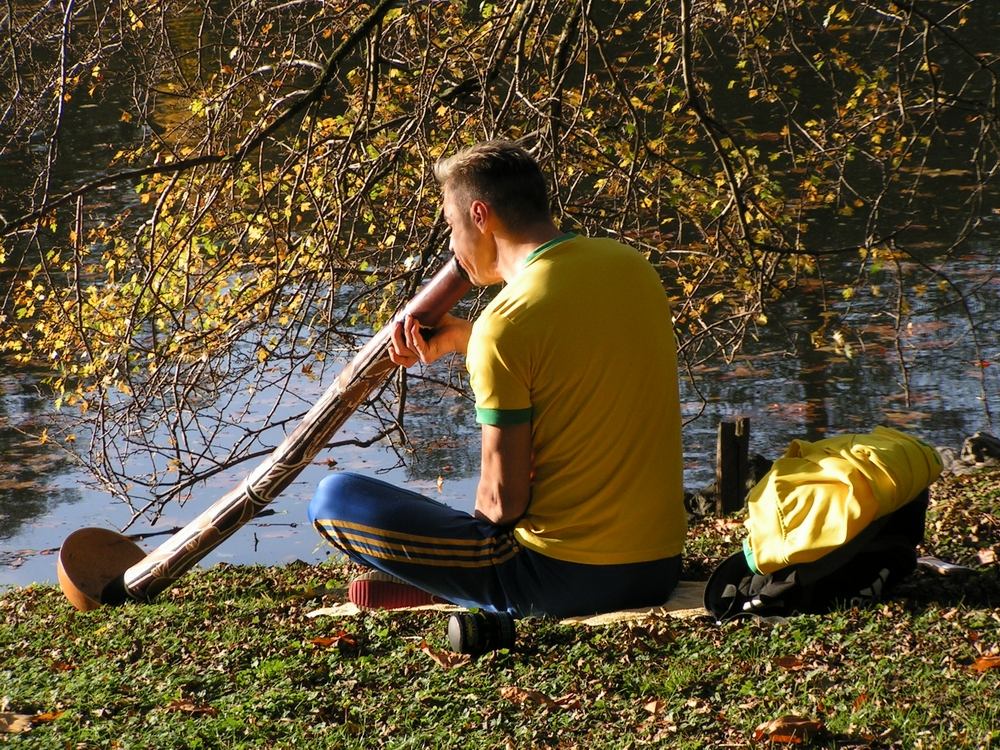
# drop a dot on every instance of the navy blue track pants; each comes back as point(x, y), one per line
point(471, 562)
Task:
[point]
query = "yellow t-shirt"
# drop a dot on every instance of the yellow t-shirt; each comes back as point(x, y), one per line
point(581, 344)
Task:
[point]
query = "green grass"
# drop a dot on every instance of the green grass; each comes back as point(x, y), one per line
point(227, 660)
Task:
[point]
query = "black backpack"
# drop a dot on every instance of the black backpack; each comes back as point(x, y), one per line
point(860, 572)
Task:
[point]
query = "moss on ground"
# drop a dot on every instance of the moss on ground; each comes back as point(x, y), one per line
point(230, 659)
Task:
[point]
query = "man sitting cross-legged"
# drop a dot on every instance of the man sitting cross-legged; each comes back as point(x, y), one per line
point(573, 365)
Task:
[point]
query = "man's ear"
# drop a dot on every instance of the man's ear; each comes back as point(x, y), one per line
point(479, 212)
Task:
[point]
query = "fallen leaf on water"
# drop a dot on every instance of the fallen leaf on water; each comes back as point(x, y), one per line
point(984, 663)
point(787, 730)
point(791, 411)
point(440, 483)
point(905, 418)
point(190, 707)
point(14, 723)
point(19, 484)
point(446, 659)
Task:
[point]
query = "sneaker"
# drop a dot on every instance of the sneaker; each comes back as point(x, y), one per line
point(378, 590)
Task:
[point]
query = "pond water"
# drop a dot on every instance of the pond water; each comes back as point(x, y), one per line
point(931, 381)
point(44, 496)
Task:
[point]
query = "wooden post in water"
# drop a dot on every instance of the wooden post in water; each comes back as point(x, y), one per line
point(732, 464)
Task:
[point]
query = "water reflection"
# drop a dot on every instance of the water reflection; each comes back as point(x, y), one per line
point(934, 383)
point(29, 471)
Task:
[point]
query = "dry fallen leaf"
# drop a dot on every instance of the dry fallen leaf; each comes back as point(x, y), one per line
point(526, 696)
point(340, 638)
point(46, 717)
point(190, 707)
point(655, 706)
point(984, 663)
point(14, 723)
point(446, 659)
point(788, 730)
point(569, 702)
point(791, 663)
point(658, 633)
point(987, 556)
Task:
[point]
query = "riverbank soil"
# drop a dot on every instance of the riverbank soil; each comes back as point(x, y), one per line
point(230, 658)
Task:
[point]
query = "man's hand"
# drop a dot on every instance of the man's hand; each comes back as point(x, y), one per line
point(409, 345)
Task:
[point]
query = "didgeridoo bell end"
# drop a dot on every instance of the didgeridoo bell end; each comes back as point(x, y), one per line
point(91, 566)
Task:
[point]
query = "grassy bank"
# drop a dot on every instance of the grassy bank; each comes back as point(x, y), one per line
point(230, 659)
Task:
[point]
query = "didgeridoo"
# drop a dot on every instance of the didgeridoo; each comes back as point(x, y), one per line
point(98, 566)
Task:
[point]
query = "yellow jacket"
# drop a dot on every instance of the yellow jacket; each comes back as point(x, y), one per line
point(818, 496)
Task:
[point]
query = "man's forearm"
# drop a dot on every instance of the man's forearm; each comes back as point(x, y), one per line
point(504, 490)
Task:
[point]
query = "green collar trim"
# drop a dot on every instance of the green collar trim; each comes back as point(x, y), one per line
point(548, 246)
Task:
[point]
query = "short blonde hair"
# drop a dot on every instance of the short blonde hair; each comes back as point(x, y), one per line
point(502, 175)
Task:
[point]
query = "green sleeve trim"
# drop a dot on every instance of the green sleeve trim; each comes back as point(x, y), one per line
point(503, 417)
point(748, 556)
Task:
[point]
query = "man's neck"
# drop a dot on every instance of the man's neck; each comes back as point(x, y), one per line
point(511, 251)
